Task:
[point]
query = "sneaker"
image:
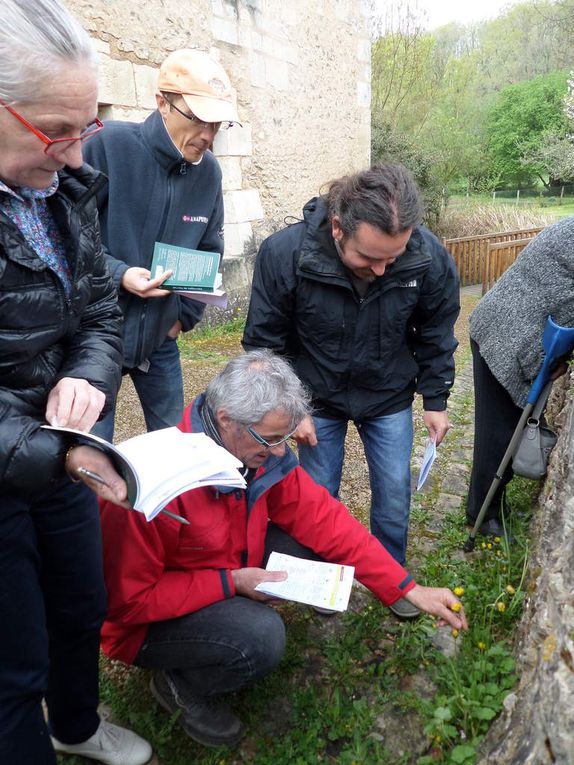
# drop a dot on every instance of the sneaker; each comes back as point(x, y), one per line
point(205, 720)
point(110, 744)
point(404, 609)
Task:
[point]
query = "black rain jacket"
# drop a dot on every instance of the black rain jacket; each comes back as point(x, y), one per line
point(360, 357)
point(45, 336)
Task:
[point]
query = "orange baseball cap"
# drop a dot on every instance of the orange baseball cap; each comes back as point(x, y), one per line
point(202, 82)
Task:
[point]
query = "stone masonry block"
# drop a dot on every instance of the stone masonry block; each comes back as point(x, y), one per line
point(117, 83)
point(231, 168)
point(235, 142)
point(364, 50)
point(236, 235)
point(258, 70)
point(225, 30)
point(363, 94)
point(130, 115)
point(277, 73)
point(146, 85)
point(242, 206)
point(101, 46)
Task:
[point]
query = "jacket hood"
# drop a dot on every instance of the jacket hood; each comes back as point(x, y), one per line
point(319, 256)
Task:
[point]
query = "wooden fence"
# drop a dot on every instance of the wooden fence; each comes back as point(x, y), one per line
point(480, 260)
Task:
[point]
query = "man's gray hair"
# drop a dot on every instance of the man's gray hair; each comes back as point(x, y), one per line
point(256, 383)
point(385, 196)
point(37, 39)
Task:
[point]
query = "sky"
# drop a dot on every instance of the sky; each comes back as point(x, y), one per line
point(441, 12)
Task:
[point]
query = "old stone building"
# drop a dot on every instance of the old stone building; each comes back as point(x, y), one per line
point(301, 73)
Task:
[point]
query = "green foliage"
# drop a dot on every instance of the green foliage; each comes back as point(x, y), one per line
point(517, 124)
point(388, 144)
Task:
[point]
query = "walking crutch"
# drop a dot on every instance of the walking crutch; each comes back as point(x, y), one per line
point(557, 342)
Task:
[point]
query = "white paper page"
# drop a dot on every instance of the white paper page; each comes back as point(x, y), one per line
point(217, 298)
point(169, 462)
point(327, 585)
point(428, 459)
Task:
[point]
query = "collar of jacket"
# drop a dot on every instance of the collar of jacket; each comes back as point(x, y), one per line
point(273, 470)
point(159, 142)
point(75, 189)
point(319, 259)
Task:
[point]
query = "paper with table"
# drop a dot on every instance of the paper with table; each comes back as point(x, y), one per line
point(326, 585)
point(428, 459)
point(160, 465)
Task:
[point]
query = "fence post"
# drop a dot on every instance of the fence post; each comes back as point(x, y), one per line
point(494, 196)
point(517, 196)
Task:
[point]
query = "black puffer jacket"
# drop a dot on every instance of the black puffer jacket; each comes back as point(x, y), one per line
point(44, 336)
point(360, 357)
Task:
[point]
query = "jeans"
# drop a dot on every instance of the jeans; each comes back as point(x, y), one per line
point(52, 604)
point(388, 443)
point(225, 646)
point(160, 391)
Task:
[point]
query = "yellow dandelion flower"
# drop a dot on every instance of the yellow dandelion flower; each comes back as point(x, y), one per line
point(497, 540)
point(483, 545)
point(481, 646)
point(489, 546)
point(454, 633)
point(458, 591)
point(510, 589)
point(501, 606)
point(456, 607)
point(498, 554)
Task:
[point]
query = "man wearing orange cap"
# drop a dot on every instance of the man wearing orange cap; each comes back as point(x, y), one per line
point(164, 186)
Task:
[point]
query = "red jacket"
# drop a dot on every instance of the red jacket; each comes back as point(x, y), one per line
point(163, 569)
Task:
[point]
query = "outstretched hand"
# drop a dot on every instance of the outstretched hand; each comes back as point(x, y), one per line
point(247, 579)
point(439, 601)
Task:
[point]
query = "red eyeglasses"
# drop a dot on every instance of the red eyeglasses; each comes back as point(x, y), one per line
point(56, 146)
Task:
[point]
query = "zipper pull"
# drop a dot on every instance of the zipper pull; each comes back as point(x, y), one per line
point(183, 168)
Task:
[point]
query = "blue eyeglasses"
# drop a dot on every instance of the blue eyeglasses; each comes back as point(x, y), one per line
point(269, 444)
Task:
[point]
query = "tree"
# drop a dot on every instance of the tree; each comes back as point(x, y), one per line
point(522, 116)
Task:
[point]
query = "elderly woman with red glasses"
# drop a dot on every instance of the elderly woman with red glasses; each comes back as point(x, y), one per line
point(60, 357)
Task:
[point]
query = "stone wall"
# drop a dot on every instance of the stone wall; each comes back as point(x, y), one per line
point(537, 727)
point(301, 73)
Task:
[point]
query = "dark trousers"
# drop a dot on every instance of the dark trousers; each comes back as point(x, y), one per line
point(52, 604)
point(495, 419)
point(226, 646)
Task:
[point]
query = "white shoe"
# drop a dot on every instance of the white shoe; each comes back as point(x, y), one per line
point(111, 745)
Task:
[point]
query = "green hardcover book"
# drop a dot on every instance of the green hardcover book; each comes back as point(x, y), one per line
point(193, 270)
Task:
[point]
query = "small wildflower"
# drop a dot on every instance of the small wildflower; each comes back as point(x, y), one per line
point(483, 545)
point(454, 633)
point(458, 591)
point(456, 607)
point(501, 606)
point(498, 554)
point(437, 739)
point(481, 646)
point(510, 589)
point(497, 540)
point(489, 546)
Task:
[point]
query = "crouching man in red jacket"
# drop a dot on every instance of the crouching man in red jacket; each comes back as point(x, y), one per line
point(182, 598)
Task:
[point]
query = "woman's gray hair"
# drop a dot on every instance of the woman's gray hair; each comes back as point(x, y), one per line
point(256, 383)
point(37, 39)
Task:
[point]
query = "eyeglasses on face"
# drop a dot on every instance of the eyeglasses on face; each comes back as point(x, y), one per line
point(55, 146)
point(200, 123)
point(269, 444)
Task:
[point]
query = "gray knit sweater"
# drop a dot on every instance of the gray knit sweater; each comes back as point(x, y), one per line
point(509, 321)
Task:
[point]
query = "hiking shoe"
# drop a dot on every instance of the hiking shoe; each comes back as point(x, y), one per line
point(404, 609)
point(205, 720)
point(110, 744)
